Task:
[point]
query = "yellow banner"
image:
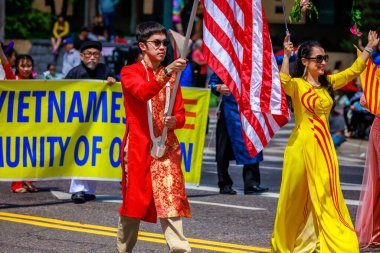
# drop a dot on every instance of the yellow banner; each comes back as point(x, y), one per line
point(192, 136)
point(74, 129)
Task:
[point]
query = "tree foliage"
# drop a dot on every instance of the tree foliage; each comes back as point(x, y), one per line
point(369, 21)
point(22, 21)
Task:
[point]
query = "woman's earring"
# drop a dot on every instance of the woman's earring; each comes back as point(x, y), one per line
point(304, 71)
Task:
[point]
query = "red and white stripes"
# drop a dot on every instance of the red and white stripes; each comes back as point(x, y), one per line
point(238, 48)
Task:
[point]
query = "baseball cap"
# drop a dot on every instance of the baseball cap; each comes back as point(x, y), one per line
point(68, 41)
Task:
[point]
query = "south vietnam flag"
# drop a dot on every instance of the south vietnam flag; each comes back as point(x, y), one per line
point(370, 79)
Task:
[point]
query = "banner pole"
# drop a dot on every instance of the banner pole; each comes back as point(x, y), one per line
point(178, 77)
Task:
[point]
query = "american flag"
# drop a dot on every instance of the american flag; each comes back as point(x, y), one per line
point(238, 48)
point(370, 79)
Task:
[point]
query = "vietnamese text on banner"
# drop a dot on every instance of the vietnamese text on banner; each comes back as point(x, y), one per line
point(74, 129)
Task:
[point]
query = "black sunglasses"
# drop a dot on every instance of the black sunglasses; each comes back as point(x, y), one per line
point(158, 43)
point(319, 58)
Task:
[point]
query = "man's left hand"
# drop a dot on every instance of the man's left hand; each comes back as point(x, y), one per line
point(170, 121)
point(111, 80)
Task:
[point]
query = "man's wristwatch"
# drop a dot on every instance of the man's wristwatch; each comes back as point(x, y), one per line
point(167, 73)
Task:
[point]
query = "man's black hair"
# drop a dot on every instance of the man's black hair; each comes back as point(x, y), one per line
point(147, 29)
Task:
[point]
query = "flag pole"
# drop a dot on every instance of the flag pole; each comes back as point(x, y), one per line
point(178, 76)
point(286, 23)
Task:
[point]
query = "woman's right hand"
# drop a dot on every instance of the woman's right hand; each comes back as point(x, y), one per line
point(373, 39)
point(288, 46)
point(304, 5)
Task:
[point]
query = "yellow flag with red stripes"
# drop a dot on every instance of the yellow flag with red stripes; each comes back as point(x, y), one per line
point(370, 79)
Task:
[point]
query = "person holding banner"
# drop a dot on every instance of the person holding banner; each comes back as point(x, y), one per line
point(311, 212)
point(11, 57)
point(152, 186)
point(230, 144)
point(90, 68)
point(24, 68)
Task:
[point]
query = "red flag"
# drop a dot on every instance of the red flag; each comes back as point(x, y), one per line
point(238, 48)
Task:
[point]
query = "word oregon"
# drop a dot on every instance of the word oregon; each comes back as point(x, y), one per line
point(61, 106)
point(53, 151)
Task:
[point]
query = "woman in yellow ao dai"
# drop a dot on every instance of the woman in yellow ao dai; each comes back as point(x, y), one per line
point(311, 212)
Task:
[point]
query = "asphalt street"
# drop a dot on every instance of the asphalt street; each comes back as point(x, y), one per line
point(48, 221)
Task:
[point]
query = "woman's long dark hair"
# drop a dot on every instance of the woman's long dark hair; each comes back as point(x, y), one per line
point(304, 51)
point(23, 57)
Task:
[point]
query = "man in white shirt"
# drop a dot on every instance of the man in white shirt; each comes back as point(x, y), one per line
point(71, 58)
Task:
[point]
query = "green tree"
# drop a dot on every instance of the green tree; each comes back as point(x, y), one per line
point(24, 22)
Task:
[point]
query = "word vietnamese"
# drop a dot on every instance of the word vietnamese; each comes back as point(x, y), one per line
point(62, 106)
point(53, 151)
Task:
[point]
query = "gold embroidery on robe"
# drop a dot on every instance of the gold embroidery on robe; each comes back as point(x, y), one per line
point(167, 179)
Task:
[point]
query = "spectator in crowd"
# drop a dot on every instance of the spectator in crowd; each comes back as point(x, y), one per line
point(24, 70)
point(90, 68)
point(10, 54)
point(350, 88)
point(107, 9)
point(98, 31)
point(82, 37)
point(198, 65)
point(71, 58)
point(178, 6)
point(337, 128)
point(338, 67)
point(50, 74)
point(61, 29)
point(186, 76)
point(358, 120)
point(230, 144)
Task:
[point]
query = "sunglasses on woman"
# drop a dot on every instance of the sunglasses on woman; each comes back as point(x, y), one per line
point(319, 58)
point(158, 43)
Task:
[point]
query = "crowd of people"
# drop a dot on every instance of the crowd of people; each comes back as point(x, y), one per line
point(310, 197)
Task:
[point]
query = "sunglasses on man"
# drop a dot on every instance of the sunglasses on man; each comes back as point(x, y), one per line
point(158, 43)
point(319, 58)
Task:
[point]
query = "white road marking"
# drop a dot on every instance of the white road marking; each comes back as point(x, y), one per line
point(225, 205)
point(210, 160)
point(344, 186)
point(118, 199)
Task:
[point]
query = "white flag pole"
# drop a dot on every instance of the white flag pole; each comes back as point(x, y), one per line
point(284, 13)
point(178, 77)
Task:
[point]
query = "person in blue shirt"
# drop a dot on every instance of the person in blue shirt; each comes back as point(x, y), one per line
point(107, 9)
point(230, 144)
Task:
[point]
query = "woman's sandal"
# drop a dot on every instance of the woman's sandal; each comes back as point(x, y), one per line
point(30, 187)
point(20, 190)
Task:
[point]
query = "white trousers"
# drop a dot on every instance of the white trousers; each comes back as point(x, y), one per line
point(87, 186)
